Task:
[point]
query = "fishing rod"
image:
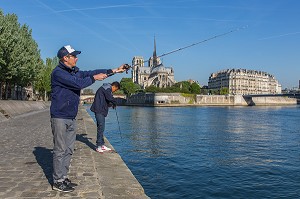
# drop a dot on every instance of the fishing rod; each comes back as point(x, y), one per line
point(205, 40)
point(200, 42)
point(127, 66)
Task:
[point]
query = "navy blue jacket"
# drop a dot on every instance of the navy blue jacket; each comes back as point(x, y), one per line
point(66, 84)
point(103, 99)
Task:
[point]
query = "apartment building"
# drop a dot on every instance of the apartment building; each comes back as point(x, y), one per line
point(244, 82)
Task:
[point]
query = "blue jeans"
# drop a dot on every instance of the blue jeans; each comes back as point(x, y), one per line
point(100, 119)
point(64, 137)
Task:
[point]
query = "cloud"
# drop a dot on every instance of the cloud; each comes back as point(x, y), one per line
point(91, 31)
point(277, 36)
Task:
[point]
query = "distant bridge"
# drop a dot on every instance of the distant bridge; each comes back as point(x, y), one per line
point(88, 99)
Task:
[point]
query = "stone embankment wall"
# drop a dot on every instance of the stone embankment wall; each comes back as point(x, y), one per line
point(13, 108)
point(273, 100)
point(177, 99)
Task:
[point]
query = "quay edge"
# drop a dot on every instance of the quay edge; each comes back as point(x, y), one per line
point(178, 99)
point(102, 176)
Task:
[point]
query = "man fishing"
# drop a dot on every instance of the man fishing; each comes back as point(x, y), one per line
point(66, 83)
point(102, 101)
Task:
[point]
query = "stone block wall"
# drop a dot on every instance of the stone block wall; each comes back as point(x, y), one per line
point(178, 99)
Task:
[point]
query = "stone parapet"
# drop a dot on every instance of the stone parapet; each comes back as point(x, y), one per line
point(13, 108)
point(178, 99)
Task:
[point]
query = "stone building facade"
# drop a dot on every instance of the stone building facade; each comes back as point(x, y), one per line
point(244, 82)
point(155, 73)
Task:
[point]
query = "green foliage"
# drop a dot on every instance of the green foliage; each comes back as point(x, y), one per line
point(88, 91)
point(180, 87)
point(214, 92)
point(20, 59)
point(128, 87)
point(191, 96)
point(204, 91)
point(224, 91)
point(43, 82)
point(119, 92)
point(187, 95)
point(195, 88)
point(184, 87)
point(152, 89)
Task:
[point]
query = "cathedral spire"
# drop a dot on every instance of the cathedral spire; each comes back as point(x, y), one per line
point(154, 54)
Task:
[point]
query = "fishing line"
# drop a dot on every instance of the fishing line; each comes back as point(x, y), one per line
point(200, 42)
point(176, 50)
point(205, 40)
point(118, 123)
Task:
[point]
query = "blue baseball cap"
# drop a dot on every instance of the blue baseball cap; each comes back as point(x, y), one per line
point(67, 50)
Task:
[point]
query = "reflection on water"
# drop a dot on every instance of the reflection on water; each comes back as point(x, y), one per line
point(211, 152)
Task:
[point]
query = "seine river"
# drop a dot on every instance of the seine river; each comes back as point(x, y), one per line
point(210, 152)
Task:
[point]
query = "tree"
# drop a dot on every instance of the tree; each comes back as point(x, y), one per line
point(88, 91)
point(43, 82)
point(128, 86)
point(184, 86)
point(30, 61)
point(195, 88)
point(214, 91)
point(152, 89)
point(204, 91)
point(20, 58)
point(224, 91)
point(179, 87)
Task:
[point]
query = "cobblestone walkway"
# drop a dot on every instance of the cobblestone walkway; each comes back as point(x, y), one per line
point(26, 162)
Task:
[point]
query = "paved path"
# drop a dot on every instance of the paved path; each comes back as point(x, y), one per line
point(26, 162)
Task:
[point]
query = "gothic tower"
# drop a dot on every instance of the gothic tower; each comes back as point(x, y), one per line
point(137, 62)
point(154, 55)
point(154, 60)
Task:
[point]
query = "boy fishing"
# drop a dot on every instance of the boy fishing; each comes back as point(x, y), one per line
point(102, 101)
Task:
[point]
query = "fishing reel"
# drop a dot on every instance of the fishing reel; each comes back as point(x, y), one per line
point(126, 67)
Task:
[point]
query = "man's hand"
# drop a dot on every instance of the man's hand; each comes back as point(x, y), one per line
point(100, 76)
point(121, 69)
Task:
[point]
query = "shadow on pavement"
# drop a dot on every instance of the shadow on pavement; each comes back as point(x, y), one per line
point(44, 158)
point(82, 138)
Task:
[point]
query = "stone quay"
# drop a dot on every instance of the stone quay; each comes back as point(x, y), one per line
point(26, 158)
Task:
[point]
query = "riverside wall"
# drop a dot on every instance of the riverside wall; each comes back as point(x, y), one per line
point(13, 108)
point(178, 99)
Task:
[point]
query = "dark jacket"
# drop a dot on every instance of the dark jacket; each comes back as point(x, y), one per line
point(103, 99)
point(66, 84)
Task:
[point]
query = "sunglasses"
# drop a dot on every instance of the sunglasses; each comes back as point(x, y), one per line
point(72, 56)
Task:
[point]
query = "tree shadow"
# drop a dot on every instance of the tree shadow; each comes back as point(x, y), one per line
point(86, 140)
point(44, 158)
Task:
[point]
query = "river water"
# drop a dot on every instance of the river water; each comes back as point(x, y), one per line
point(210, 152)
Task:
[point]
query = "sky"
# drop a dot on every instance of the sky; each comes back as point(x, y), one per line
point(265, 34)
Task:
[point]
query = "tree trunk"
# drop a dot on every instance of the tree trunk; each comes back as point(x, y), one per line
point(1, 90)
point(45, 95)
point(6, 91)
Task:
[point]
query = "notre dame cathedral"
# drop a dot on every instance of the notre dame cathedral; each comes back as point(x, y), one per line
point(154, 74)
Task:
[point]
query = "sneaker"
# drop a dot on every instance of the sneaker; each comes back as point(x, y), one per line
point(69, 183)
point(61, 186)
point(105, 148)
point(99, 150)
